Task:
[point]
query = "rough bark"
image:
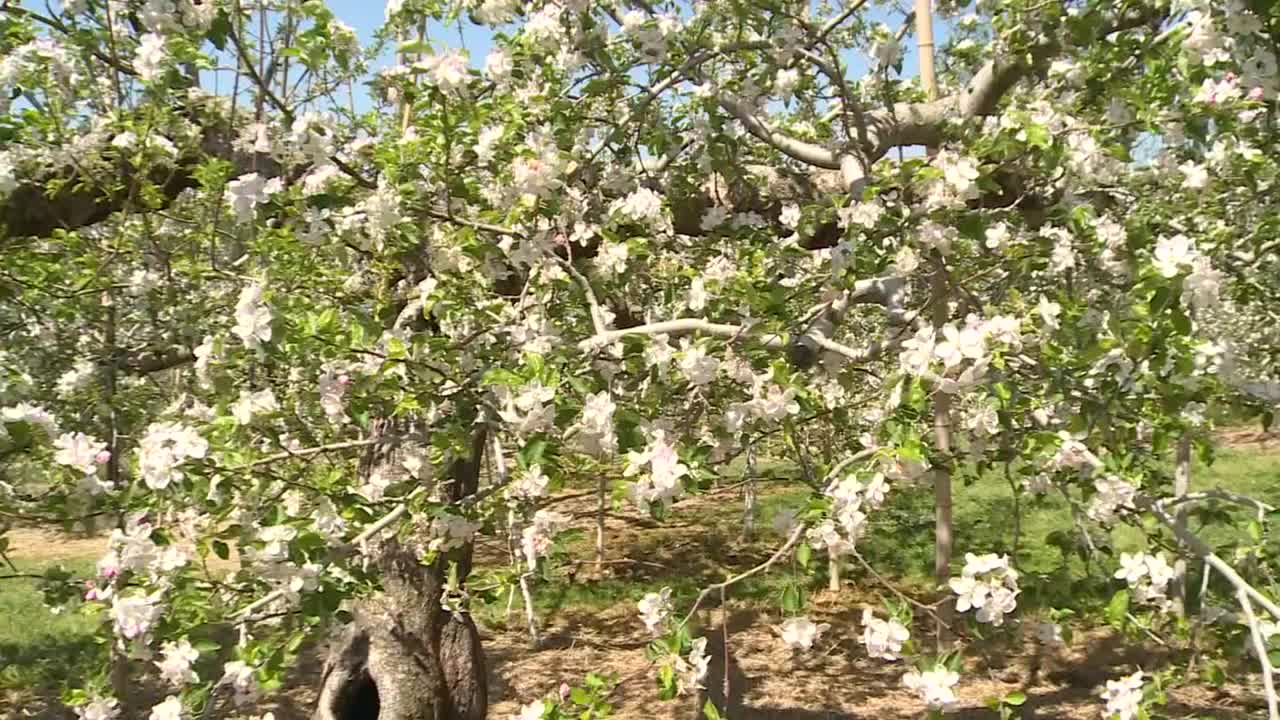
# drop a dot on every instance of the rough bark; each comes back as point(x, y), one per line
point(403, 656)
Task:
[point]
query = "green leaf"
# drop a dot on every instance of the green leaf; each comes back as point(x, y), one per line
point(1038, 136)
point(709, 711)
point(1015, 698)
point(1118, 608)
point(219, 29)
point(1159, 300)
point(792, 600)
point(804, 554)
point(531, 454)
point(580, 696)
point(415, 47)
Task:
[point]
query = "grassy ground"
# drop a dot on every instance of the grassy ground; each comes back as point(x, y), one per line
point(588, 618)
point(40, 650)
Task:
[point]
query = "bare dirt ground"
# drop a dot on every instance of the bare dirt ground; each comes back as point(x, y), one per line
point(836, 682)
point(766, 681)
point(1249, 438)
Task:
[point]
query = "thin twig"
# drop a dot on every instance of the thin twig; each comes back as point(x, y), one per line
point(778, 554)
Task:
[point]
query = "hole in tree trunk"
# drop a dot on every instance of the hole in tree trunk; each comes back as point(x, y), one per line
point(360, 700)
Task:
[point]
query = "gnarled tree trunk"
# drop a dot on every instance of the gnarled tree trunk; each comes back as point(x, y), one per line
point(403, 656)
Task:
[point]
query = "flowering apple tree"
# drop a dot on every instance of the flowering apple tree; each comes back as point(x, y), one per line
point(299, 352)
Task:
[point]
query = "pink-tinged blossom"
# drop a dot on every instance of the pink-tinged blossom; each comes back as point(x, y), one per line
point(31, 414)
point(661, 483)
point(539, 535)
point(175, 662)
point(79, 451)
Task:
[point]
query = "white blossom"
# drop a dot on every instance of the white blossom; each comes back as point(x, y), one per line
point(261, 402)
point(799, 633)
point(253, 317)
point(249, 191)
point(99, 709)
point(175, 662)
point(643, 206)
point(594, 432)
point(240, 677)
point(655, 608)
point(988, 584)
point(1148, 575)
point(1113, 495)
point(133, 615)
point(538, 536)
point(883, 638)
point(1173, 253)
point(1124, 697)
point(164, 447)
point(169, 709)
point(933, 686)
point(151, 56)
point(533, 711)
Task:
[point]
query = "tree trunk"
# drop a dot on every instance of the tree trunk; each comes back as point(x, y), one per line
point(403, 656)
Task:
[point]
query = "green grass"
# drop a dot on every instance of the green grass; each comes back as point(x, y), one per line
point(899, 543)
point(41, 650)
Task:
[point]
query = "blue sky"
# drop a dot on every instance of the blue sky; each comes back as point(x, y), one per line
point(367, 16)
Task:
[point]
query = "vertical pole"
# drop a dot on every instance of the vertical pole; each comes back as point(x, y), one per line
point(749, 497)
point(924, 33)
point(942, 520)
point(602, 486)
point(1181, 486)
point(941, 311)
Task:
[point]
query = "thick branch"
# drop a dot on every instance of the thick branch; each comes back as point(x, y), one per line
point(683, 326)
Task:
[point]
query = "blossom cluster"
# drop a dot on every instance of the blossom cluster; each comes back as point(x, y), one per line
point(1149, 577)
point(883, 638)
point(164, 448)
point(662, 471)
point(538, 536)
point(989, 584)
point(850, 499)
